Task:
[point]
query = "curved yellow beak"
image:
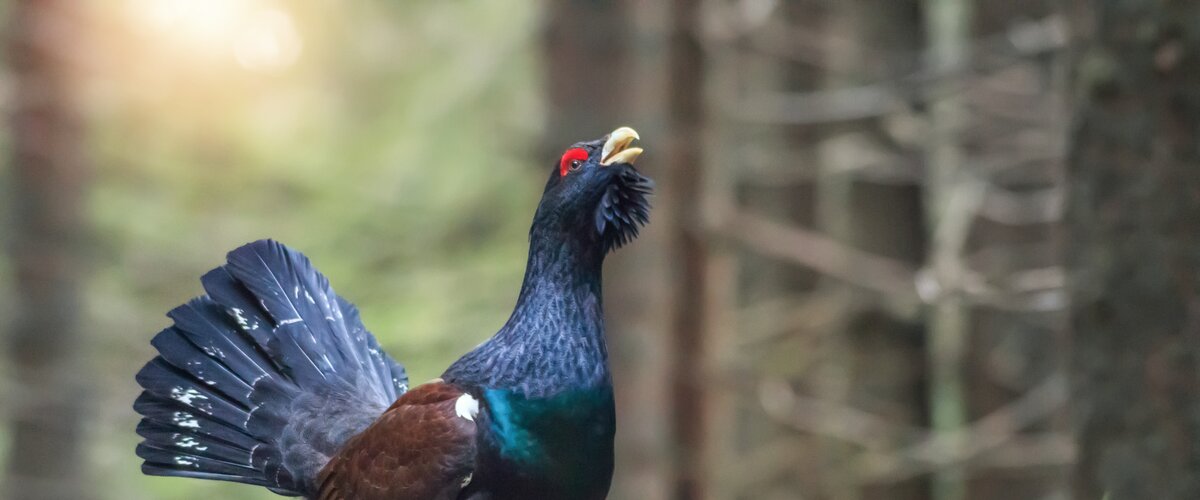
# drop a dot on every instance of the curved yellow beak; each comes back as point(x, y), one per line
point(616, 148)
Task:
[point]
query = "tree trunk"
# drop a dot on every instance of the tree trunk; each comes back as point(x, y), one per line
point(1134, 220)
point(49, 177)
point(879, 359)
point(588, 70)
point(948, 201)
point(689, 345)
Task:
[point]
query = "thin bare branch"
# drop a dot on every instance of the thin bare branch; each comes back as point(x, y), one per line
point(993, 441)
point(944, 449)
point(830, 419)
point(1039, 207)
point(890, 95)
point(1051, 449)
point(822, 254)
point(766, 322)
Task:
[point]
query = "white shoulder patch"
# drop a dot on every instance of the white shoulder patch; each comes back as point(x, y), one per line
point(466, 407)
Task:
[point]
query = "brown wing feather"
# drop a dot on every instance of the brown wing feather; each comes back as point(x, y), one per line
point(419, 449)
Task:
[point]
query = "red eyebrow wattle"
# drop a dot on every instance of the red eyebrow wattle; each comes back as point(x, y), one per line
point(571, 155)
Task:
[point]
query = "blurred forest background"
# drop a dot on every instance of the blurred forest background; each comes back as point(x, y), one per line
point(901, 249)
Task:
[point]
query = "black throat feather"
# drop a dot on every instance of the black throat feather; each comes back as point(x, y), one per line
point(623, 209)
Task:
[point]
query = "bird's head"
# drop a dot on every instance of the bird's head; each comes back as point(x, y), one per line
point(594, 194)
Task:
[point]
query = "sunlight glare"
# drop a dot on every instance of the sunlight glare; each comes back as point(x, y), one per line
point(273, 44)
point(259, 37)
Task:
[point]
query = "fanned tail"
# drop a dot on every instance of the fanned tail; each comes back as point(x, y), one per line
point(261, 380)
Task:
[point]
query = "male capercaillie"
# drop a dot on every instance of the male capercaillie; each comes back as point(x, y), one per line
point(271, 379)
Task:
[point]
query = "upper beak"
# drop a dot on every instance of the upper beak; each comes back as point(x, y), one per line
point(616, 148)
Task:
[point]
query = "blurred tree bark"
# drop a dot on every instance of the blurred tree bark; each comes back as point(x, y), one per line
point(765, 287)
point(687, 249)
point(49, 177)
point(1134, 219)
point(593, 85)
point(880, 358)
point(1015, 350)
point(587, 47)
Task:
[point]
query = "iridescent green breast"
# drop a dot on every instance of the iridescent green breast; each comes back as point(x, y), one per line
point(561, 446)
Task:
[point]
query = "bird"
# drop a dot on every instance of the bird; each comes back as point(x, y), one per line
point(271, 379)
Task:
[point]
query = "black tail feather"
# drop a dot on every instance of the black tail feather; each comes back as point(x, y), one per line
point(383, 370)
point(179, 441)
point(207, 325)
point(279, 289)
point(237, 301)
point(172, 415)
point(196, 467)
point(162, 379)
point(243, 376)
point(182, 354)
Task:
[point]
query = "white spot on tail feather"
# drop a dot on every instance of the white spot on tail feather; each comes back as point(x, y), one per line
point(186, 396)
point(190, 442)
point(214, 352)
point(242, 321)
point(466, 407)
point(185, 419)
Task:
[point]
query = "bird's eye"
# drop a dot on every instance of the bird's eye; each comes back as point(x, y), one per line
point(571, 161)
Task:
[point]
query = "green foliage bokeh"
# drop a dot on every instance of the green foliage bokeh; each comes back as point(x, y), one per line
point(395, 152)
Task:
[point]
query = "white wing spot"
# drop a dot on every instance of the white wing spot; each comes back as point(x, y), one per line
point(466, 407)
point(290, 321)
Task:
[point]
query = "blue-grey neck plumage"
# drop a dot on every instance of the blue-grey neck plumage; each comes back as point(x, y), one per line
point(554, 339)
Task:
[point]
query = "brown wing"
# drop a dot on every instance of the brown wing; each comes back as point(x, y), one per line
point(419, 449)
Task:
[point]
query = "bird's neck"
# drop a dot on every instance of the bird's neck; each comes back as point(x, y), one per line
point(554, 340)
point(561, 271)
